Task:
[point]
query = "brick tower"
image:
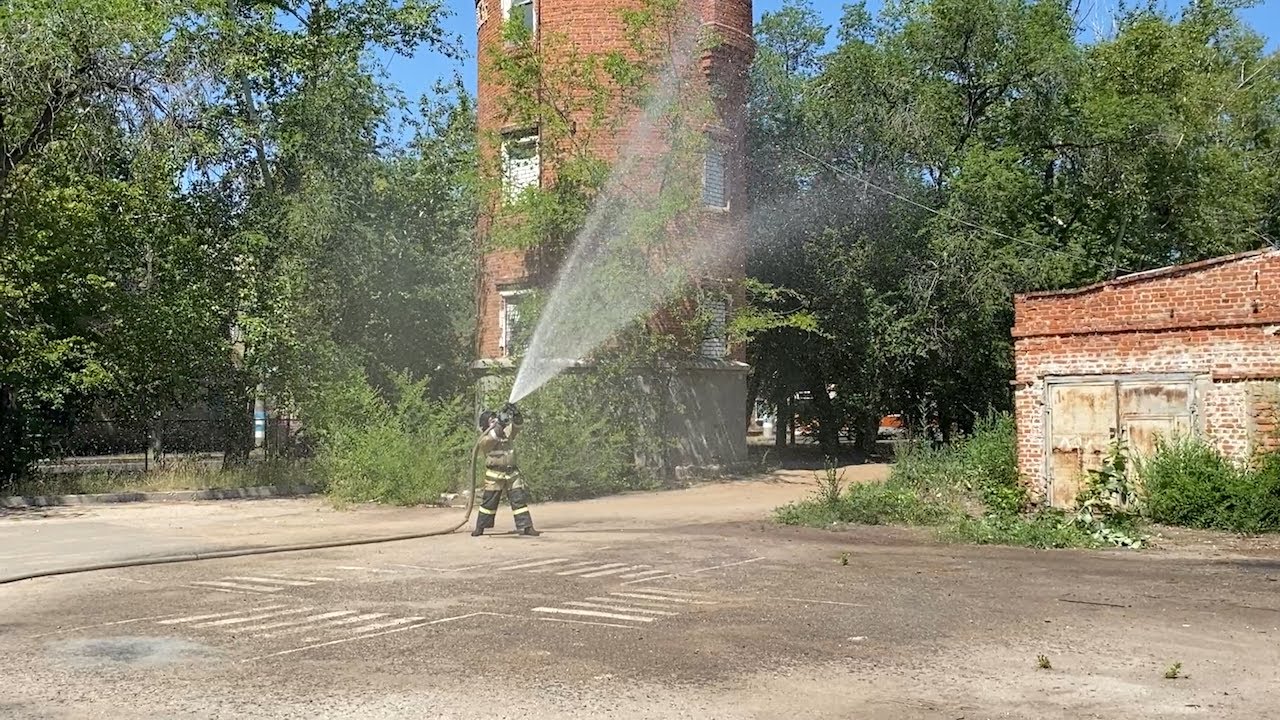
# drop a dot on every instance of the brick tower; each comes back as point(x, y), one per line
point(718, 379)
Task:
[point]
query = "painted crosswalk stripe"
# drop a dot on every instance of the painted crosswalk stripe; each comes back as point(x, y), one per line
point(659, 604)
point(540, 563)
point(642, 573)
point(588, 622)
point(296, 621)
point(366, 569)
point(252, 618)
point(387, 624)
point(591, 569)
point(274, 581)
point(593, 613)
point(620, 608)
point(210, 616)
point(325, 626)
point(314, 579)
point(613, 571)
point(661, 598)
point(577, 564)
point(236, 586)
point(671, 593)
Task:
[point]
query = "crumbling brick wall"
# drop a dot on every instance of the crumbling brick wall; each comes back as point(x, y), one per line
point(1218, 320)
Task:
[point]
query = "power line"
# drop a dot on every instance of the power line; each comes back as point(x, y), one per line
point(867, 182)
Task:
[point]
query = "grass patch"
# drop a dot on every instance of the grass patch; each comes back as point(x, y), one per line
point(168, 477)
point(971, 493)
point(1044, 530)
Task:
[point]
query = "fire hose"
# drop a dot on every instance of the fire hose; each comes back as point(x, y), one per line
point(263, 550)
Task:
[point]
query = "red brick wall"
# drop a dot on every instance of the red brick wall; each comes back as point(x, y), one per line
point(595, 26)
point(1218, 320)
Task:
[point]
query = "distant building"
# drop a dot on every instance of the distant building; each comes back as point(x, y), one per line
point(716, 383)
point(1191, 349)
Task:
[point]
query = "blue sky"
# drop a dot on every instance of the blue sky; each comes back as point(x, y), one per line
point(416, 75)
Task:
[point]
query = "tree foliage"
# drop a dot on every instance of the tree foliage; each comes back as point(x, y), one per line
point(944, 154)
point(204, 201)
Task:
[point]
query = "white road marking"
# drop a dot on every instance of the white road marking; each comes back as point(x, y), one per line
point(252, 618)
point(613, 571)
point(373, 635)
point(640, 603)
point(236, 586)
point(296, 621)
point(644, 573)
point(221, 590)
point(694, 572)
point(726, 565)
point(592, 569)
point(366, 569)
point(325, 626)
point(304, 577)
point(620, 608)
point(662, 598)
point(387, 624)
point(195, 618)
point(592, 613)
point(671, 593)
point(577, 564)
point(105, 624)
point(274, 581)
point(819, 602)
point(588, 622)
point(540, 563)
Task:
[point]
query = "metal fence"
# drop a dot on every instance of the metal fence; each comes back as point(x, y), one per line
point(129, 445)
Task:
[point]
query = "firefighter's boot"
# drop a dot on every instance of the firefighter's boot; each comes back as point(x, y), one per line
point(519, 498)
point(488, 512)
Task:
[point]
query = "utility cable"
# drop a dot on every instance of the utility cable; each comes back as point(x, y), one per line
point(264, 550)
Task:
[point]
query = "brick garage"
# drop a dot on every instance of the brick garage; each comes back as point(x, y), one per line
point(1189, 349)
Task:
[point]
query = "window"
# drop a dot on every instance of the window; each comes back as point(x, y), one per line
point(512, 334)
point(715, 343)
point(521, 166)
point(520, 11)
point(715, 182)
point(482, 13)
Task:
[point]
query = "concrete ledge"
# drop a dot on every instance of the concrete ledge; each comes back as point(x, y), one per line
point(174, 496)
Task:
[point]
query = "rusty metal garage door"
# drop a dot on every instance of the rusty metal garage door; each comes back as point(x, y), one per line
point(1083, 415)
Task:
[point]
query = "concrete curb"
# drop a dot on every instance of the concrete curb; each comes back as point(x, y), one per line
point(268, 491)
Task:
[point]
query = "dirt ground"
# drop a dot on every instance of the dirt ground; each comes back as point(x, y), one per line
point(682, 604)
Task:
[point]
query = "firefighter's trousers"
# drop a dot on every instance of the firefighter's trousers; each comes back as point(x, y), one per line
point(498, 480)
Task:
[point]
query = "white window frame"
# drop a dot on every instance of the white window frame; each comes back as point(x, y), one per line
point(482, 13)
point(716, 146)
point(507, 308)
point(511, 189)
point(509, 5)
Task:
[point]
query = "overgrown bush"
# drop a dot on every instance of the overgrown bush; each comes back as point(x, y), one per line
point(971, 492)
point(1047, 529)
point(580, 438)
point(406, 452)
point(1188, 483)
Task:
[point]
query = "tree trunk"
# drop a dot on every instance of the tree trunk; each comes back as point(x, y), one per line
point(828, 425)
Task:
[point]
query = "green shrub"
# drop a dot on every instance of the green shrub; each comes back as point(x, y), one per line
point(984, 467)
point(1047, 529)
point(579, 440)
point(406, 453)
point(990, 462)
point(1188, 483)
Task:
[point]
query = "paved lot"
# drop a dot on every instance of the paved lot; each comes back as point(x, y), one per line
point(671, 605)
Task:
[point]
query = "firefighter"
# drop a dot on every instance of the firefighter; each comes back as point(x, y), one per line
point(501, 472)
